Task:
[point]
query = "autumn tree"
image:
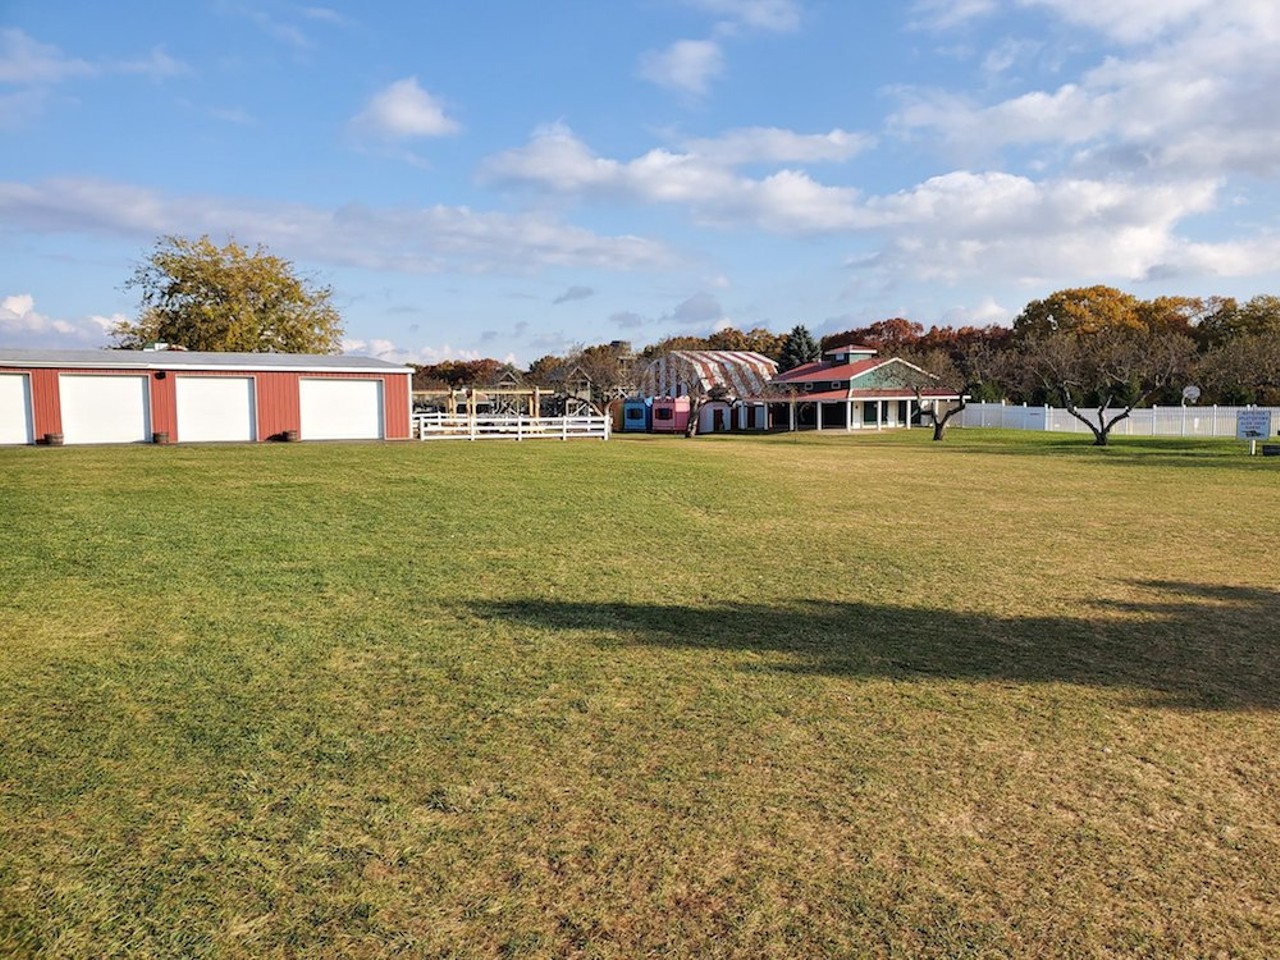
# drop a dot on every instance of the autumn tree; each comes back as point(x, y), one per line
point(198, 295)
point(1080, 310)
point(887, 337)
point(1244, 369)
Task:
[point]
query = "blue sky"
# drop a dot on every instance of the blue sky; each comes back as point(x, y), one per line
point(502, 178)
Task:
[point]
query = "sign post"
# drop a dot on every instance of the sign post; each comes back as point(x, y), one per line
point(1253, 425)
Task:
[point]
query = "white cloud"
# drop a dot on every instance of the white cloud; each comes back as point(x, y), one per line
point(36, 68)
point(403, 240)
point(1193, 90)
point(21, 324)
point(29, 62)
point(687, 66)
point(574, 293)
point(382, 349)
point(779, 16)
point(946, 14)
point(327, 15)
point(959, 224)
point(787, 201)
point(402, 111)
point(985, 312)
point(775, 145)
point(157, 65)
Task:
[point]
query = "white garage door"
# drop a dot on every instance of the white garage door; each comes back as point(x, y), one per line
point(340, 409)
point(215, 408)
point(98, 409)
point(15, 409)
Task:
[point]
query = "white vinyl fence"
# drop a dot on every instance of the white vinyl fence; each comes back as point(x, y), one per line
point(1188, 421)
point(444, 426)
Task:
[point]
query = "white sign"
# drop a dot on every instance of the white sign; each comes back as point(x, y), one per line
point(1253, 424)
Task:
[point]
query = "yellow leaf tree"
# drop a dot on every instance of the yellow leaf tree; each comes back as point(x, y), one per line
point(198, 295)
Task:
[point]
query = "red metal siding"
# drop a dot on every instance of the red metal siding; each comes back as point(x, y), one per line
point(164, 404)
point(275, 396)
point(396, 399)
point(277, 399)
point(46, 411)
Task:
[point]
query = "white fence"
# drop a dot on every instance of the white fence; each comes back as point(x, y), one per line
point(444, 426)
point(1188, 421)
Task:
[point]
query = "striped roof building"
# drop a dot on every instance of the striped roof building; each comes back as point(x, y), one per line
point(695, 372)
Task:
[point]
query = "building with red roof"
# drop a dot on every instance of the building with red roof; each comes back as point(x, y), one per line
point(851, 388)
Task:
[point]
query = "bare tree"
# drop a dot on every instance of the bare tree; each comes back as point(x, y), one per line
point(1112, 369)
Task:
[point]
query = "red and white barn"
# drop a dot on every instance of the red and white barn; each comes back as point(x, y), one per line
point(851, 388)
point(174, 396)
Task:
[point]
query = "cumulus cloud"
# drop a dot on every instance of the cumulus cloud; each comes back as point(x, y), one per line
point(22, 325)
point(404, 111)
point(383, 349)
point(687, 66)
point(574, 293)
point(698, 311)
point(767, 145)
point(1191, 89)
point(786, 201)
point(957, 224)
point(403, 240)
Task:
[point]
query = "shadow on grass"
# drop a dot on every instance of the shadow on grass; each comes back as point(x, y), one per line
point(1145, 451)
point(1190, 645)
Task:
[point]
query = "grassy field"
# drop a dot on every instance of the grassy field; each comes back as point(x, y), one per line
point(1009, 695)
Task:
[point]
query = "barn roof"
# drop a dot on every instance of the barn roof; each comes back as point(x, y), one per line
point(196, 360)
point(695, 372)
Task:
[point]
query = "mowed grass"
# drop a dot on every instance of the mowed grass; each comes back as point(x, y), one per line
point(784, 696)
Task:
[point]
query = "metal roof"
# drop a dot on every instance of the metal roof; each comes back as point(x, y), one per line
point(193, 360)
point(695, 372)
point(825, 370)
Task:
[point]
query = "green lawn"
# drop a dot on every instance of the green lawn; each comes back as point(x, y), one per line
point(1009, 695)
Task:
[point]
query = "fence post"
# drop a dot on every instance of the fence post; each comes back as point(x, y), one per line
point(1154, 411)
point(1215, 420)
point(519, 427)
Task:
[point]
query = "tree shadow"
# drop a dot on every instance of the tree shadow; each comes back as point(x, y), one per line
point(1189, 645)
point(1120, 449)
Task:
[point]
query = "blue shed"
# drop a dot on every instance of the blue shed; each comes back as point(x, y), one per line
point(637, 415)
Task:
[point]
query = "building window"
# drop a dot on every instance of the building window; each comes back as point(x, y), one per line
point(808, 387)
point(835, 384)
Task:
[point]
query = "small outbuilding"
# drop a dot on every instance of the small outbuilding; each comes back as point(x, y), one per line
point(671, 414)
point(715, 416)
point(637, 415)
point(178, 396)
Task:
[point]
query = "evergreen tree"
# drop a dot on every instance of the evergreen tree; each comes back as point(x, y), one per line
point(800, 348)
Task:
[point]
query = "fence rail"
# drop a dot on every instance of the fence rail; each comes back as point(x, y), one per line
point(1188, 421)
point(444, 426)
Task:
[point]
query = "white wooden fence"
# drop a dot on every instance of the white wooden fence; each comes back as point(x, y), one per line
point(1180, 421)
point(444, 426)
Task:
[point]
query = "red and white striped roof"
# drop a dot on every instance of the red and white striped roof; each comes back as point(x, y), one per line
point(694, 372)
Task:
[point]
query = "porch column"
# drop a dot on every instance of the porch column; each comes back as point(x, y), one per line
point(791, 424)
point(848, 415)
point(908, 423)
point(818, 407)
point(879, 414)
